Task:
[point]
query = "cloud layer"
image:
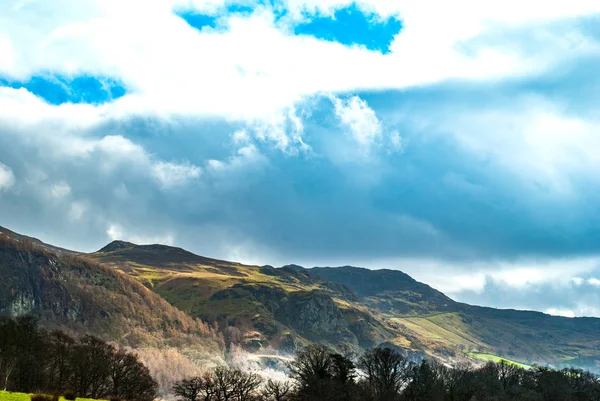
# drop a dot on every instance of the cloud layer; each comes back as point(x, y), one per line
point(462, 150)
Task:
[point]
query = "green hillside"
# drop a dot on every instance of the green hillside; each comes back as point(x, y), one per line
point(283, 308)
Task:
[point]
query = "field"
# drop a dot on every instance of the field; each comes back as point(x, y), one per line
point(9, 396)
point(497, 359)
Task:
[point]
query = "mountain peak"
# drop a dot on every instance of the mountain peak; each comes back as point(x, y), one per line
point(116, 245)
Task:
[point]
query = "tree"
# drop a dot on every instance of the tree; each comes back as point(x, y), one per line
point(277, 390)
point(311, 365)
point(426, 382)
point(59, 351)
point(26, 373)
point(130, 379)
point(32, 359)
point(387, 372)
point(245, 384)
point(91, 363)
point(8, 350)
point(322, 375)
point(191, 389)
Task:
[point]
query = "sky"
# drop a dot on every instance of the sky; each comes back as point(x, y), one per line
point(456, 141)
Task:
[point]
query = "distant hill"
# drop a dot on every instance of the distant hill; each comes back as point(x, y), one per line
point(262, 307)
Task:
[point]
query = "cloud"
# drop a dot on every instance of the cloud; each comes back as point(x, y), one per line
point(268, 68)
point(117, 232)
point(560, 312)
point(396, 141)
point(172, 174)
point(76, 211)
point(465, 155)
point(360, 119)
point(60, 190)
point(7, 178)
point(594, 281)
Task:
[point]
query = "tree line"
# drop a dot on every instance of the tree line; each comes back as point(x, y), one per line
point(34, 360)
point(383, 374)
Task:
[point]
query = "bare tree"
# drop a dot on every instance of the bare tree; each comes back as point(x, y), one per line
point(387, 372)
point(277, 390)
point(189, 389)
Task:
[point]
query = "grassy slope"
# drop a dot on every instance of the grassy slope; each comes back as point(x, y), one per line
point(262, 301)
point(494, 358)
point(429, 320)
point(10, 396)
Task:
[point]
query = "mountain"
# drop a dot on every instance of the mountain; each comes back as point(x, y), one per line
point(140, 294)
point(71, 292)
point(427, 319)
point(254, 305)
point(349, 306)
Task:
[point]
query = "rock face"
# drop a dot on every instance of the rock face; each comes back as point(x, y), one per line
point(317, 317)
point(36, 284)
point(292, 318)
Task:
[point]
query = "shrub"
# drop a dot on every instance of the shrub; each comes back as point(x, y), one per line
point(69, 395)
point(115, 399)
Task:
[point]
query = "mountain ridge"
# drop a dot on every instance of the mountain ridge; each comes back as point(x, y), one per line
point(263, 307)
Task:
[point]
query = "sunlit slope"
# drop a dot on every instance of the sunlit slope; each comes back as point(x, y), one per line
point(262, 305)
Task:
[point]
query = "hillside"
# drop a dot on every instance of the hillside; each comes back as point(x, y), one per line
point(285, 307)
point(430, 320)
point(78, 295)
point(145, 294)
point(254, 305)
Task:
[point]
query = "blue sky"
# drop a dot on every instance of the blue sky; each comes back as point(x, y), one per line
point(459, 147)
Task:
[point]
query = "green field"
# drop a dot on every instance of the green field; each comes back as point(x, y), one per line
point(8, 396)
point(497, 359)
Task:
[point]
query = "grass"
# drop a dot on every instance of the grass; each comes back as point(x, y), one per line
point(494, 358)
point(10, 396)
point(444, 329)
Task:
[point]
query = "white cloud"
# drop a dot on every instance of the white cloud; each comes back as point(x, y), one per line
point(60, 190)
point(529, 273)
point(594, 281)
point(7, 178)
point(76, 211)
point(454, 278)
point(355, 114)
point(267, 69)
point(534, 140)
point(174, 175)
point(560, 312)
point(284, 129)
point(117, 232)
point(577, 281)
point(241, 137)
point(396, 141)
